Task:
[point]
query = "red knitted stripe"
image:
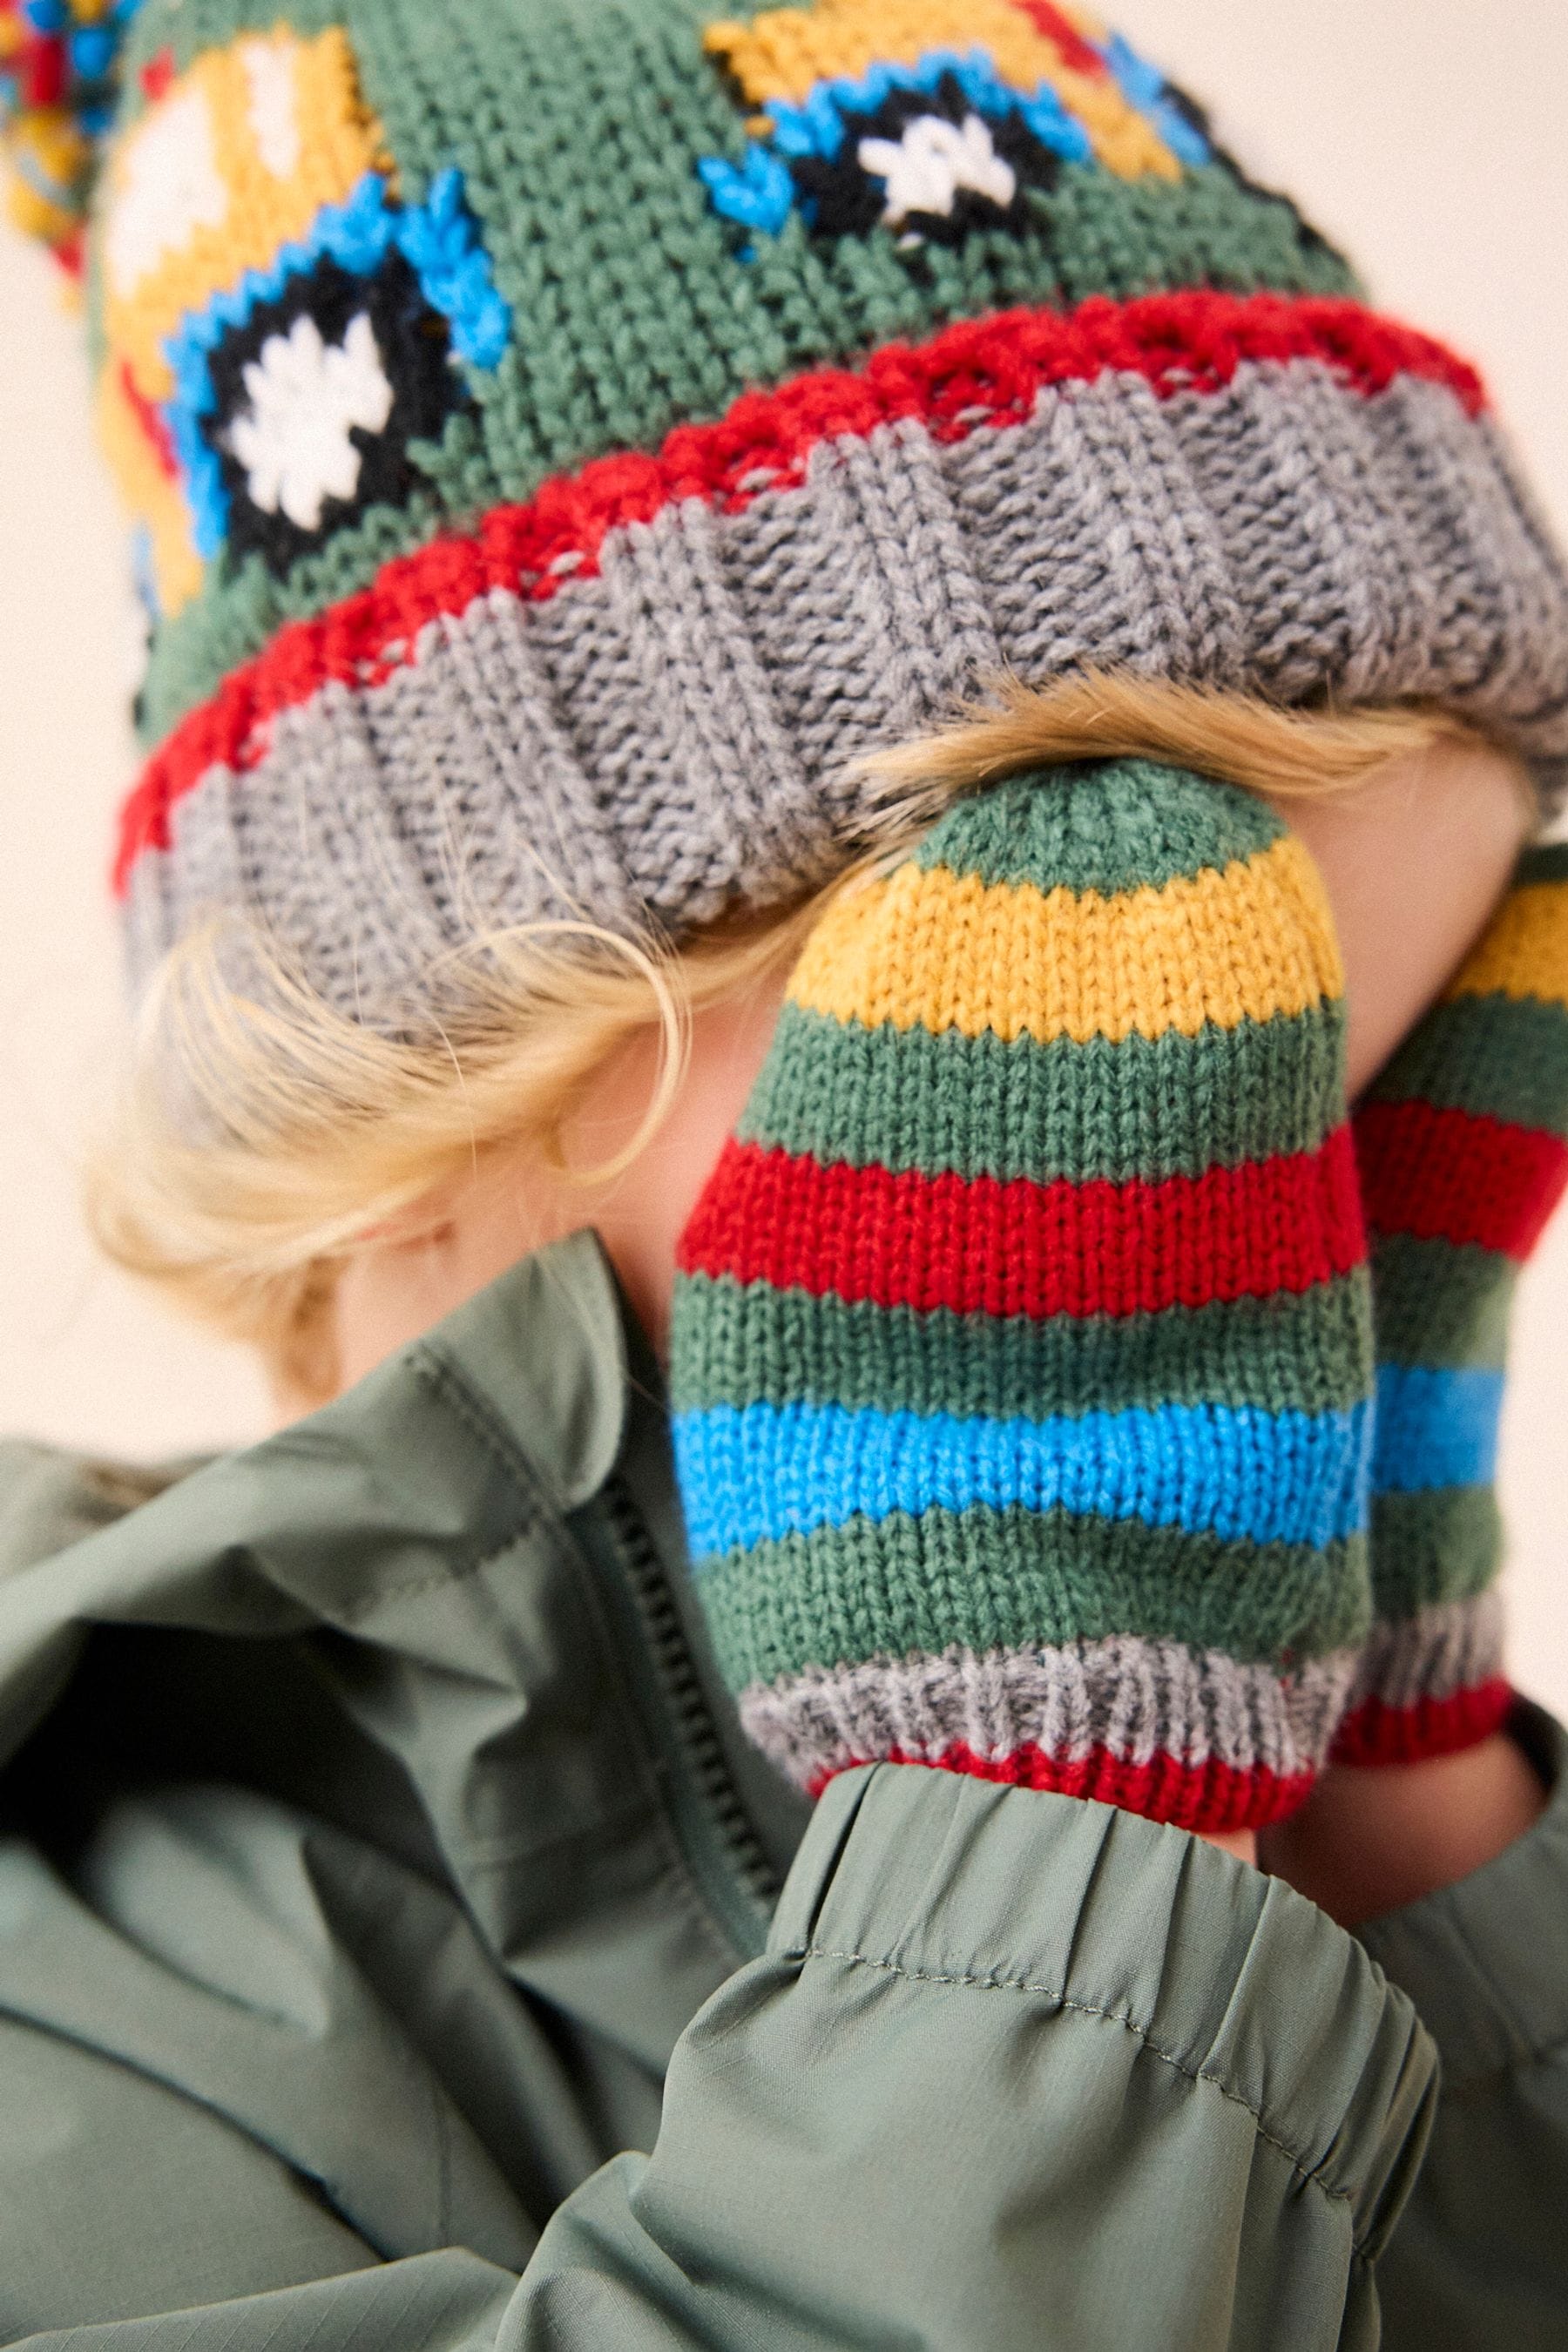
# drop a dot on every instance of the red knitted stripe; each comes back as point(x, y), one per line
point(1074, 50)
point(1376, 1733)
point(1458, 1176)
point(974, 373)
point(1023, 1248)
point(1212, 1796)
point(43, 76)
point(156, 432)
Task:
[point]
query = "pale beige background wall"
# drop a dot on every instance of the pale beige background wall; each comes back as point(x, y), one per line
point(1428, 134)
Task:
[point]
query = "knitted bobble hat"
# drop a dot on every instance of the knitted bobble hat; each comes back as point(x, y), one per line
point(564, 435)
point(1021, 1347)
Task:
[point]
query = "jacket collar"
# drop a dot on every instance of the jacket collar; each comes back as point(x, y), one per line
point(477, 1557)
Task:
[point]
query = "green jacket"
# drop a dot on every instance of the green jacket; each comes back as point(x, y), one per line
point(382, 1870)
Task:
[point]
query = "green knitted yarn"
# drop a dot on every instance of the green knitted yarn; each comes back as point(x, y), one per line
point(1430, 1550)
point(1462, 1149)
point(1180, 1103)
point(1442, 1303)
point(1021, 1348)
point(577, 130)
point(1306, 1354)
point(1493, 1057)
point(565, 437)
point(978, 1582)
point(1118, 826)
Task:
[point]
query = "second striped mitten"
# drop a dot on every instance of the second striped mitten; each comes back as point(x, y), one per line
point(1462, 1150)
point(1021, 1347)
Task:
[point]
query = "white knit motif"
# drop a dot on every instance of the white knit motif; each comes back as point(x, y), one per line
point(168, 186)
point(274, 119)
point(934, 159)
point(305, 398)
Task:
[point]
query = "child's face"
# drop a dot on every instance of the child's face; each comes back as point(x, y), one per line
point(1413, 864)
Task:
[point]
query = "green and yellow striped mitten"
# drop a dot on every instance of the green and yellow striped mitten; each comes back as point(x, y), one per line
point(1021, 1354)
point(1462, 1146)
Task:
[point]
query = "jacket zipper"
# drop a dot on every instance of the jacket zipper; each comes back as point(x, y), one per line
point(726, 1853)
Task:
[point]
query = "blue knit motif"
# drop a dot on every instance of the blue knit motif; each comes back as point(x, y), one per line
point(759, 193)
point(1144, 87)
point(439, 239)
point(817, 126)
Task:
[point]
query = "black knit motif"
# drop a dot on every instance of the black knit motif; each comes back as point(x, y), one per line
point(840, 198)
point(414, 343)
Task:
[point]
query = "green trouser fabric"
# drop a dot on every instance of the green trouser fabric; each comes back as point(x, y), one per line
point(381, 1868)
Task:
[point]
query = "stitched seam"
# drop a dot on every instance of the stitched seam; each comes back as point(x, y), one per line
point(480, 1422)
point(437, 1578)
point(458, 1400)
point(251, 2130)
point(1304, 2172)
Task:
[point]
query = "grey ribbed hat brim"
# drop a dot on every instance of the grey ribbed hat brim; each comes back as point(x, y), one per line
point(676, 732)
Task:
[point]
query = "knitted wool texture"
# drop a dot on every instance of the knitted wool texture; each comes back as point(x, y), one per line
point(1463, 1151)
point(565, 433)
point(1021, 1352)
point(58, 71)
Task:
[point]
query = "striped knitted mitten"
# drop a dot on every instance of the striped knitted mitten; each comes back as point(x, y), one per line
point(1462, 1156)
point(1022, 1345)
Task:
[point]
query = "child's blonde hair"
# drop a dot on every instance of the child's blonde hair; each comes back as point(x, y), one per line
point(263, 1135)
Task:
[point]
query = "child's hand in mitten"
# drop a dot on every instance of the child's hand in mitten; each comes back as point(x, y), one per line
point(1022, 1355)
point(1462, 1155)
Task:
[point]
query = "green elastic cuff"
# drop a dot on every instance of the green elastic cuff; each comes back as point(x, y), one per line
point(1118, 1929)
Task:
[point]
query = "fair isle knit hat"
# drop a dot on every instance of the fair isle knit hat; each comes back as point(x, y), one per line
point(564, 433)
